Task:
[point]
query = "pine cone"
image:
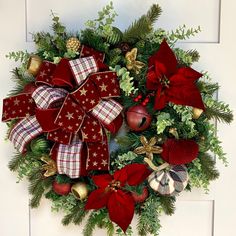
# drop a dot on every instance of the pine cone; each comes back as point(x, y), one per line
point(73, 44)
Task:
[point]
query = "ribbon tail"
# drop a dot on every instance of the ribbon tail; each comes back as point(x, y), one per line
point(24, 131)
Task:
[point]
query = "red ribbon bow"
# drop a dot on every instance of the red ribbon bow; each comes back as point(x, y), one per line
point(70, 118)
point(172, 83)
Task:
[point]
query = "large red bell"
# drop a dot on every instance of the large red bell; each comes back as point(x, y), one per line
point(138, 118)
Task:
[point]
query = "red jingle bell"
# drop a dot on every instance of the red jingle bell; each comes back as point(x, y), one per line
point(138, 118)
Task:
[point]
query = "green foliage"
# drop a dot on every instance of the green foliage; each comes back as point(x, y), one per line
point(186, 58)
point(126, 82)
point(148, 221)
point(213, 144)
point(21, 79)
point(167, 204)
point(90, 38)
point(38, 185)
point(98, 218)
point(103, 24)
point(182, 33)
point(19, 56)
point(163, 120)
point(62, 179)
point(76, 214)
point(39, 146)
point(202, 171)
point(186, 128)
point(25, 165)
point(62, 203)
point(124, 159)
point(217, 110)
point(208, 88)
point(143, 26)
point(115, 36)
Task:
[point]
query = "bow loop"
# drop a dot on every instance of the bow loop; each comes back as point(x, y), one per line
point(87, 95)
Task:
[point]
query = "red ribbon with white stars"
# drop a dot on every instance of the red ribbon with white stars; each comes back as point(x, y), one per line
point(73, 104)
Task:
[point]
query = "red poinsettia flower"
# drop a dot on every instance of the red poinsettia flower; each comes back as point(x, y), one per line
point(111, 193)
point(171, 82)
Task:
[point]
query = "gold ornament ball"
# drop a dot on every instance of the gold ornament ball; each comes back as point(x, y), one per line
point(80, 190)
point(34, 64)
point(73, 44)
point(197, 113)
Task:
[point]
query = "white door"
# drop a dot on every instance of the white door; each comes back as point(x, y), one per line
point(197, 214)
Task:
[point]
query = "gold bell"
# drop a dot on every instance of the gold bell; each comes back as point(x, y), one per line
point(34, 64)
point(197, 113)
point(80, 190)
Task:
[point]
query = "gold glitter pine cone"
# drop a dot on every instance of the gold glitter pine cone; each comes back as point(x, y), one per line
point(73, 44)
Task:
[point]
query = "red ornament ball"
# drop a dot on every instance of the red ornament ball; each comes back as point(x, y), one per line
point(29, 88)
point(138, 118)
point(61, 189)
point(138, 198)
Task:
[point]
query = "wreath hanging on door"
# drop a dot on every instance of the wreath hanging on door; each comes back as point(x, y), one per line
point(109, 123)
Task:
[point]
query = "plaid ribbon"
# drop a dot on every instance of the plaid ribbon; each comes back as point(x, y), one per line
point(107, 110)
point(82, 67)
point(45, 96)
point(169, 182)
point(24, 131)
point(68, 158)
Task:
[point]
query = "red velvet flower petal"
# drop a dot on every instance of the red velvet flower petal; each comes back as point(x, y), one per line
point(165, 56)
point(184, 92)
point(102, 181)
point(121, 175)
point(97, 199)
point(121, 209)
point(136, 173)
point(179, 151)
point(189, 73)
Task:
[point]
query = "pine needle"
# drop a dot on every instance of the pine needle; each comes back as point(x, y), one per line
point(144, 25)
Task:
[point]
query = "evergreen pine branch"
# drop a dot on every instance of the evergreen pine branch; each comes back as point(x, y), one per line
point(208, 166)
point(20, 80)
point(76, 215)
point(15, 162)
point(219, 114)
point(207, 88)
point(37, 187)
point(143, 26)
point(168, 204)
point(98, 218)
point(154, 13)
point(91, 224)
point(148, 221)
point(194, 54)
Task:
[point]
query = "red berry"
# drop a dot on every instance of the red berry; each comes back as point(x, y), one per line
point(61, 189)
point(138, 198)
point(135, 100)
point(139, 96)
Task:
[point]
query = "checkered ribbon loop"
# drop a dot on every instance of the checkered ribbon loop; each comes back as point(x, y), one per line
point(69, 158)
point(82, 67)
point(107, 110)
point(45, 96)
point(24, 131)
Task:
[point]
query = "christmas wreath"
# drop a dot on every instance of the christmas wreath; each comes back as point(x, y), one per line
point(109, 123)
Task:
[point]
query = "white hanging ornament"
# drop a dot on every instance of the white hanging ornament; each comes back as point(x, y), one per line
point(170, 181)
